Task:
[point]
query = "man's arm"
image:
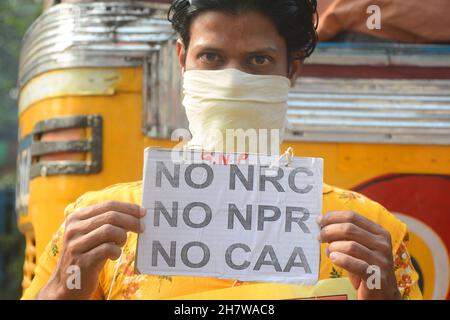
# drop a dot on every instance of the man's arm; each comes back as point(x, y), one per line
point(91, 236)
point(407, 277)
point(357, 244)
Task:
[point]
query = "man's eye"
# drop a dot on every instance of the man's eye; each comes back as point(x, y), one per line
point(260, 60)
point(210, 57)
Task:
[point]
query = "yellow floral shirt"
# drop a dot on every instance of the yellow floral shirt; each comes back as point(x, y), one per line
point(118, 279)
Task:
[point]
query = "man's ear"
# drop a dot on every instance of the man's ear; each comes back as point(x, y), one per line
point(296, 67)
point(181, 52)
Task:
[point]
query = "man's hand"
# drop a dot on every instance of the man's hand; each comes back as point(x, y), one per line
point(92, 236)
point(355, 243)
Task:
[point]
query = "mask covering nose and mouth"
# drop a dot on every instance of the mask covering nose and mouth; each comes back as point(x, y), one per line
point(224, 107)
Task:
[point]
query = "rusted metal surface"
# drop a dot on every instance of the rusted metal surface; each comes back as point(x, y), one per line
point(50, 168)
point(322, 108)
point(377, 110)
point(93, 35)
point(381, 54)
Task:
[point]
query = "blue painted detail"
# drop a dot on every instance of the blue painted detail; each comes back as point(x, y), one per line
point(423, 49)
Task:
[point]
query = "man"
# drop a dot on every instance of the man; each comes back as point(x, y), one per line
point(249, 44)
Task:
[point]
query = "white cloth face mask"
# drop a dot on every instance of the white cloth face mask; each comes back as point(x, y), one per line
point(233, 111)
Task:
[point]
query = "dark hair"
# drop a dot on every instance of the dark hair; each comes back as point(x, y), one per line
point(296, 20)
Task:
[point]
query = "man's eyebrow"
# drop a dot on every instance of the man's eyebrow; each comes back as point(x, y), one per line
point(216, 49)
point(264, 50)
point(207, 48)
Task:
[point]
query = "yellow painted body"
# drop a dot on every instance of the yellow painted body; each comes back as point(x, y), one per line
point(116, 95)
point(348, 165)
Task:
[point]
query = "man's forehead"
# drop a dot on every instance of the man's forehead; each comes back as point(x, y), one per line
point(222, 30)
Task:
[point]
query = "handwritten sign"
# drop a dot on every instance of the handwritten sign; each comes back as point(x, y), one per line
point(230, 216)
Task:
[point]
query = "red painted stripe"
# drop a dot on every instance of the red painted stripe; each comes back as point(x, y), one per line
point(368, 72)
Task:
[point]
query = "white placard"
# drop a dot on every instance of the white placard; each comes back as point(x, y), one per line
point(230, 216)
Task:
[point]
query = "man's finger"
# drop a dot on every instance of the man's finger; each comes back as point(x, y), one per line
point(354, 249)
point(355, 280)
point(353, 265)
point(335, 217)
point(350, 232)
point(97, 209)
point(115, 218)
point(100, 254)
point(105, 234)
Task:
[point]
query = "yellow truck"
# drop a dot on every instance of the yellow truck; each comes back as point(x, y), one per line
point(99, 82)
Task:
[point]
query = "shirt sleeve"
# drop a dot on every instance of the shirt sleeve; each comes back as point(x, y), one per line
point(45, 266)
point(407, 277)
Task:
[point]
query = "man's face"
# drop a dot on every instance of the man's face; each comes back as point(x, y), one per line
point(249, 42)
